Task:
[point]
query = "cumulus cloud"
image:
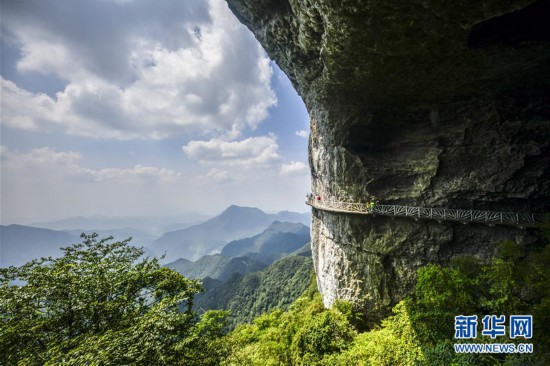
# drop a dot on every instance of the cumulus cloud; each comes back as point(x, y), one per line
point(302, 133)
point(66, 165)
point(255, 152)
point(294, 168)
point(23, 109)
point(146, 70)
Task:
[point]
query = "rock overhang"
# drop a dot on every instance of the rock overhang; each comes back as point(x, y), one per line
point(425, 103)
point(371, 55)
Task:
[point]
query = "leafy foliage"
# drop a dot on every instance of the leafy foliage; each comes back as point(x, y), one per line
point(100, 304)
point(215, 266)
point(303, 334)
point(421, 330)
point(253, 294)
point(512, 283)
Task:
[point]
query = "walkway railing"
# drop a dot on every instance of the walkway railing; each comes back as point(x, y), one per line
point(441, 214)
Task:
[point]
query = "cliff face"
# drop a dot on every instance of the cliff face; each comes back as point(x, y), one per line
point(425, 103)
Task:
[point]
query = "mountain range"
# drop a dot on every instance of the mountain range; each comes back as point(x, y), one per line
point(212, 235)
point(248, 255)
point(279, 239)
point(155, 226)
point(247, 296)
point(216, 266)
point(254, 274)
point(20, 243)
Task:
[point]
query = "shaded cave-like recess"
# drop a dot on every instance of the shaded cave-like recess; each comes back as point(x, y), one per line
point(514, 29)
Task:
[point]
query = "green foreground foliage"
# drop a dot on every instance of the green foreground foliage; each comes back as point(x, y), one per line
point(309, 334)
point(249, 296)
point(100, 304)
point(421, 330)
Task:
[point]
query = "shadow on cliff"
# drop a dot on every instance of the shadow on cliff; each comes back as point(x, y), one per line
point(372, 136)
point(515, 29)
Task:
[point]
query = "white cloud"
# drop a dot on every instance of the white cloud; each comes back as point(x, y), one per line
point(294, 168)
point(138, 173)
point(43, 157)
point(302, 133)
point(46, 184)
point(66, 166)
point(136, 69)
point(47, 57)
point(251, 152)
point(219, 176)
point(182, 75)
point(22, 109)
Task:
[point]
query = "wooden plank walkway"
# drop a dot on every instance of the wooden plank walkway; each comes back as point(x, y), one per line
point(440, 214)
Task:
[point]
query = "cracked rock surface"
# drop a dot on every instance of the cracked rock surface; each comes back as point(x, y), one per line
point(424, 103)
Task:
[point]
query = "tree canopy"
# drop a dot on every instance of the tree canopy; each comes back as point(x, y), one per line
point(421, 329)
point(102, 303)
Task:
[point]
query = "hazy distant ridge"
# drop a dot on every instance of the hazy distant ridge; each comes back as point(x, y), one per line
point(248, 255)
point(277, 239)
point(211, 236)
point(20, 244)
point(216, 266)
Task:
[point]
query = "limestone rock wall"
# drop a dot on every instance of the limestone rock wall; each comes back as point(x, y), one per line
point(423, 103)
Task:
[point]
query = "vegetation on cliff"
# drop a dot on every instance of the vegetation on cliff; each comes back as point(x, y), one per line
point(248, 296)
point(101, 304)
point(421, 329)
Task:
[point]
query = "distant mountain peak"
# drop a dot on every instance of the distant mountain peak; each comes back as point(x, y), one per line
point(234, 223)
point(278, 238)
point(285, 226)
point(241, 209)
point(181, 261)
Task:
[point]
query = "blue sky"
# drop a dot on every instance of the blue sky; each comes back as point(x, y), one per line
point(141, 108)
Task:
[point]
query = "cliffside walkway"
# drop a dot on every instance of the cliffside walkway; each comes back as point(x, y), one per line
point(440, 214)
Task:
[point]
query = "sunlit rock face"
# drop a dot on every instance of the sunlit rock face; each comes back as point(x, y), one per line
point(424, 103)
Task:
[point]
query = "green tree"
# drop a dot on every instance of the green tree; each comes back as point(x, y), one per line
point(421, 329)
point(102, 303)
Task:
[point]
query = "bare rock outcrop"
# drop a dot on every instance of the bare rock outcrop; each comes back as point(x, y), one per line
point(424, 103)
